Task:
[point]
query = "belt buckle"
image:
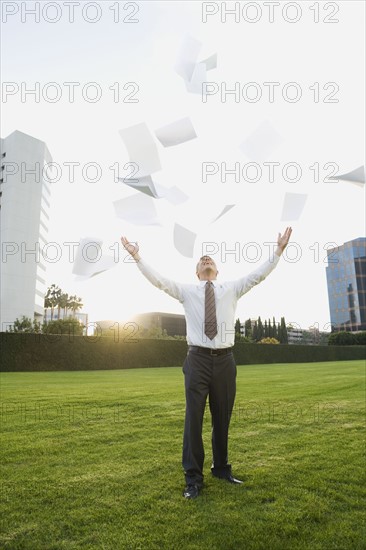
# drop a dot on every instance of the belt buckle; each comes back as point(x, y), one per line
point(213, 352)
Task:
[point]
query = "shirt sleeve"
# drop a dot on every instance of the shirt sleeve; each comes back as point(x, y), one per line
point(174, 289)
point(257, 276)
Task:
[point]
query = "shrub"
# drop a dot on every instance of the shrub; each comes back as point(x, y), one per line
point(63, 326)
point(361, 338)
point(25, 324)
point(342, 338)
point(268, 341)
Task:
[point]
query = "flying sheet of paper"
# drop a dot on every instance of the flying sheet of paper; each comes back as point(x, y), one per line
point(210, 62)
point(293, 206)
point(175, 133)
point(105, 263)
point(357, 176)
point(226, 209)
point(199, 76)
point(184, 240)
point(262, 142)
point(145, 185)
point(89, 259)
point(137, 209)
point(187, 57)
point(141, 149)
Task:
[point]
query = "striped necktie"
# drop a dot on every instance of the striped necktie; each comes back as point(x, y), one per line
point(210, 311)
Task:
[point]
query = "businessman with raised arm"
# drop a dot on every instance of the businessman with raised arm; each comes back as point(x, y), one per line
point(209, 368)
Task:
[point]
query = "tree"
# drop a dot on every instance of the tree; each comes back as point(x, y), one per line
point(255, 331)
point(25, 324)
point(245, 340)
point(55, 297)
point(74, 304)
point(248, 328)
point(361, 338)
point(266, 331)
point(52, 298)
point(260, 331)
point(342, 338)
point(283, 337)
point(63, 304)
point(274, 329)
point(156, 332)
point(237, 330)
point(270, 331)
point(64, 326)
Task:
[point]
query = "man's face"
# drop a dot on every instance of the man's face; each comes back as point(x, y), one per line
point(206, 269)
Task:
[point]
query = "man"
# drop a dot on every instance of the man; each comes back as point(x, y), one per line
point(209, 368)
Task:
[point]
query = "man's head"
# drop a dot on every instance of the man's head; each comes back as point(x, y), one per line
point(206, 269)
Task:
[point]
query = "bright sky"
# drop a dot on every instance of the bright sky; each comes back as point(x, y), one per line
point(144, 52)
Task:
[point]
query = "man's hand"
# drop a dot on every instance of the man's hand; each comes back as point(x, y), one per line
point(132, 248)
point(282, 240)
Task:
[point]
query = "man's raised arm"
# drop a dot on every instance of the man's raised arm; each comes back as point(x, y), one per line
point(244, 284)
point(175, 290)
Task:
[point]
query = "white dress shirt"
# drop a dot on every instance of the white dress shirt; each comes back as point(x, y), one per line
point(192, 296)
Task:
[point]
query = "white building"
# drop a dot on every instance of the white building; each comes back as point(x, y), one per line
point(24, 208)
point(294, 335)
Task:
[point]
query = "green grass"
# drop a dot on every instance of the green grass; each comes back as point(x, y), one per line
point(93, 460)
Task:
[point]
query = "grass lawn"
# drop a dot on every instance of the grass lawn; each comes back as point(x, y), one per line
point(93, 460)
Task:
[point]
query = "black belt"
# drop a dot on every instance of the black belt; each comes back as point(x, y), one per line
point(210, 351)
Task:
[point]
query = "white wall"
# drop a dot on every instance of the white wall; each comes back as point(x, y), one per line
point(23, 194)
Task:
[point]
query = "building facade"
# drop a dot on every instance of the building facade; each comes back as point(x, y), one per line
point(173, 323)
point(24, 215)
point(346, 280)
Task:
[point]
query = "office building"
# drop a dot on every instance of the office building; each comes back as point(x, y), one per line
point(174, 324)
point(24, 215)
point(346, 280)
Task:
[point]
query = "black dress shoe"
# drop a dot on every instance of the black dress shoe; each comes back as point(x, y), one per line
point(191, 491)
point(232, 479)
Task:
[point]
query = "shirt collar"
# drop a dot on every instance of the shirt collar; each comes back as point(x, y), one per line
point(203, 283)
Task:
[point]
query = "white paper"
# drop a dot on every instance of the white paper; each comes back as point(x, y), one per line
point(226, 209)
point(210, 62)
point(187, 57)
point(262, 142)
point(137, 209)
point(144, 185)
point(90, 260)
point(141, 149)
point(357, 176)
point(184, 240)
point(175, 133)
point(293, 206)
point(194, 86)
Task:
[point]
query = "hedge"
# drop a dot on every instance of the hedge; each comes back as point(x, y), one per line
point(21, 352)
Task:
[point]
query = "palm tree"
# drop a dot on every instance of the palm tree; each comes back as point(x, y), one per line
point(63, 303)
point(47, 301)
point(75, 304)
point(52, 297)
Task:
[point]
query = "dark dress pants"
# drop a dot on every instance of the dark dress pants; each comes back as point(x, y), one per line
point(213, 376)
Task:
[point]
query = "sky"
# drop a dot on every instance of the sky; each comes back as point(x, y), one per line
point(321, 50)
